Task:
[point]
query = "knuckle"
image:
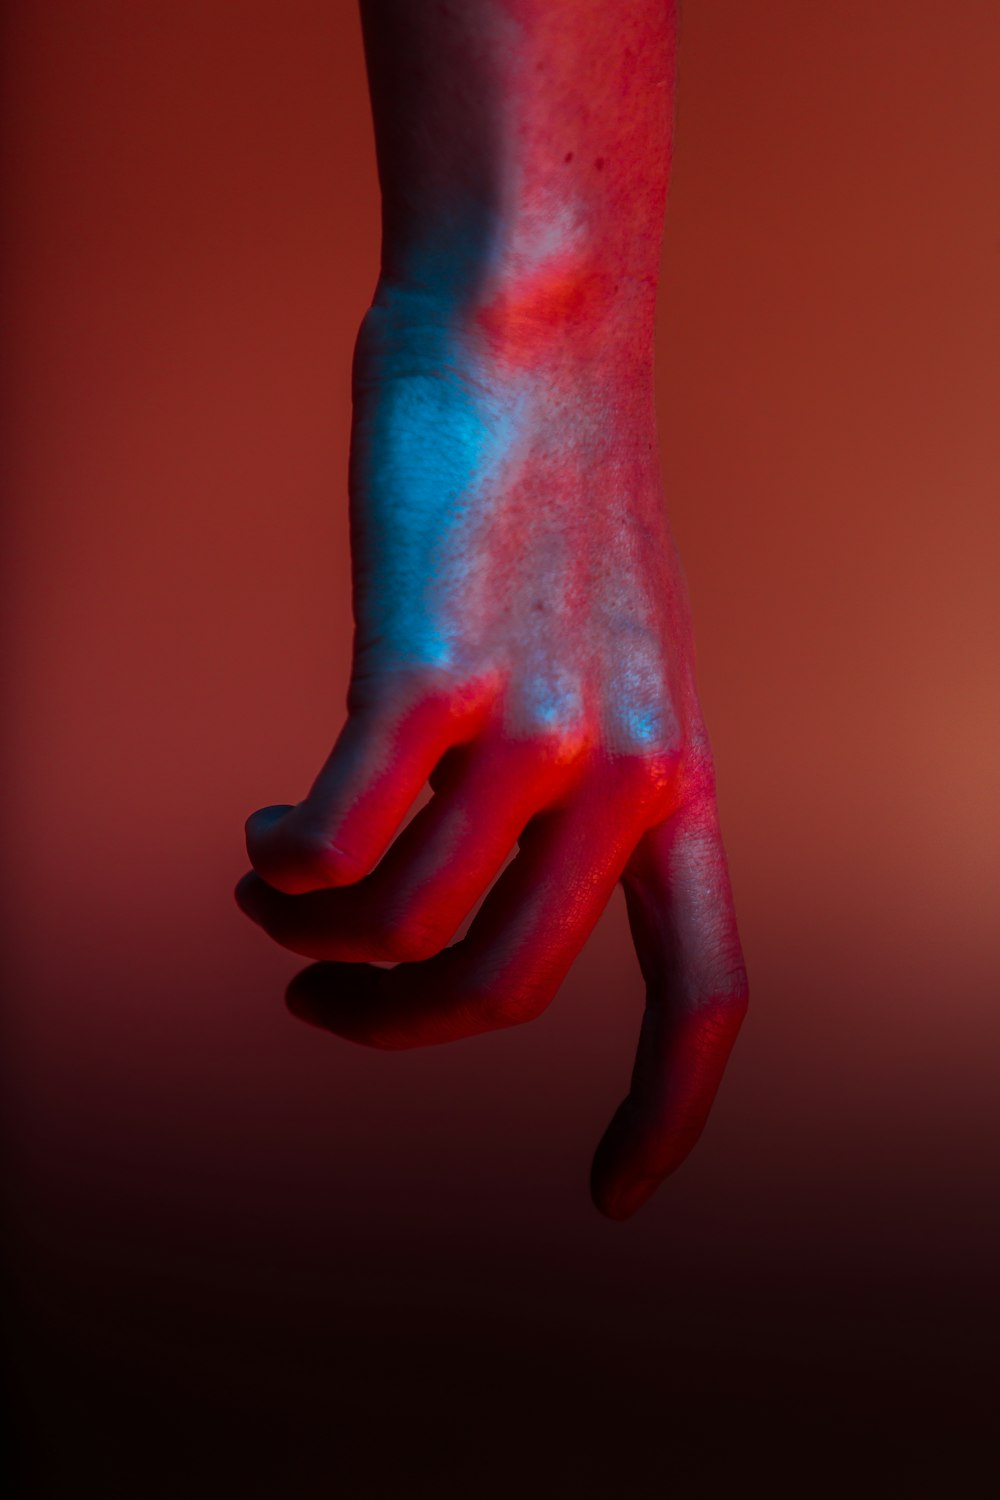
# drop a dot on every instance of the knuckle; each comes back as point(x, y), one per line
point(306, 865)
point(650, 780)
point(309, 858)
point(557, 742)
point(335, 865)
point(514, 1005)
point(648, 734)
point(312, 863)
point(666, 776)
point(641, 709)
point(548, 712)
point(444, 687)
point(697, 772)
point(725, 1013)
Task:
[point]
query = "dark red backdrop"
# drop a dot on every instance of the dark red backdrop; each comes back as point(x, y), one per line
point(248, 1260)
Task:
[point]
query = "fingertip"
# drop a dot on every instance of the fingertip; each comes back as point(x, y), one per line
point(296, 855)
point(621, 1200)
point(264, 818)
point(341, 998)
point(635, 1155)
point(246, 893)
point(614, 1182)
point(303, 995)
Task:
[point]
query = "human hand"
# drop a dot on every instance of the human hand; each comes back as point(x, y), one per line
point(524, 644)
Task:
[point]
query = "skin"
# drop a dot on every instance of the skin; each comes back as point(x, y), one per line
point(523, 634)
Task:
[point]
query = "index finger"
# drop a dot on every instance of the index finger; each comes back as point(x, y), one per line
point(382, 759)
point(684, 928)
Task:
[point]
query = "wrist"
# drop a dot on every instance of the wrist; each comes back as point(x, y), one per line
point(564, 315)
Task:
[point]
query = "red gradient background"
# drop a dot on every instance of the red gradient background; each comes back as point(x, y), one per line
point(249, 1260)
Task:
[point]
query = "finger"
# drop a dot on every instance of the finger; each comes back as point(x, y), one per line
point(416, 898)
point(684, 928)
point(375, 772)
point(516, 954)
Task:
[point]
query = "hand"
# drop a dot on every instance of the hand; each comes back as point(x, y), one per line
point(524, 644)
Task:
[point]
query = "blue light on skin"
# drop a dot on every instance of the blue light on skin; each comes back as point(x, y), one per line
point(428, 453)
point(644, 721)
point(432, 443)
point(435, 444)
point(643, 729)
point(442, 435)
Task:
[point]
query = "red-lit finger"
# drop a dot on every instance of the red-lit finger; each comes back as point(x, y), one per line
point(517, 952)
point(431, 877)
point(377, 769)
point(684, 928)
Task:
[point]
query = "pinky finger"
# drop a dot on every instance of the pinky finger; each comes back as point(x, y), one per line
point(684, 929)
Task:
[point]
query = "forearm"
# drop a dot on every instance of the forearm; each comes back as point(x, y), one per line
point(523, 150)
